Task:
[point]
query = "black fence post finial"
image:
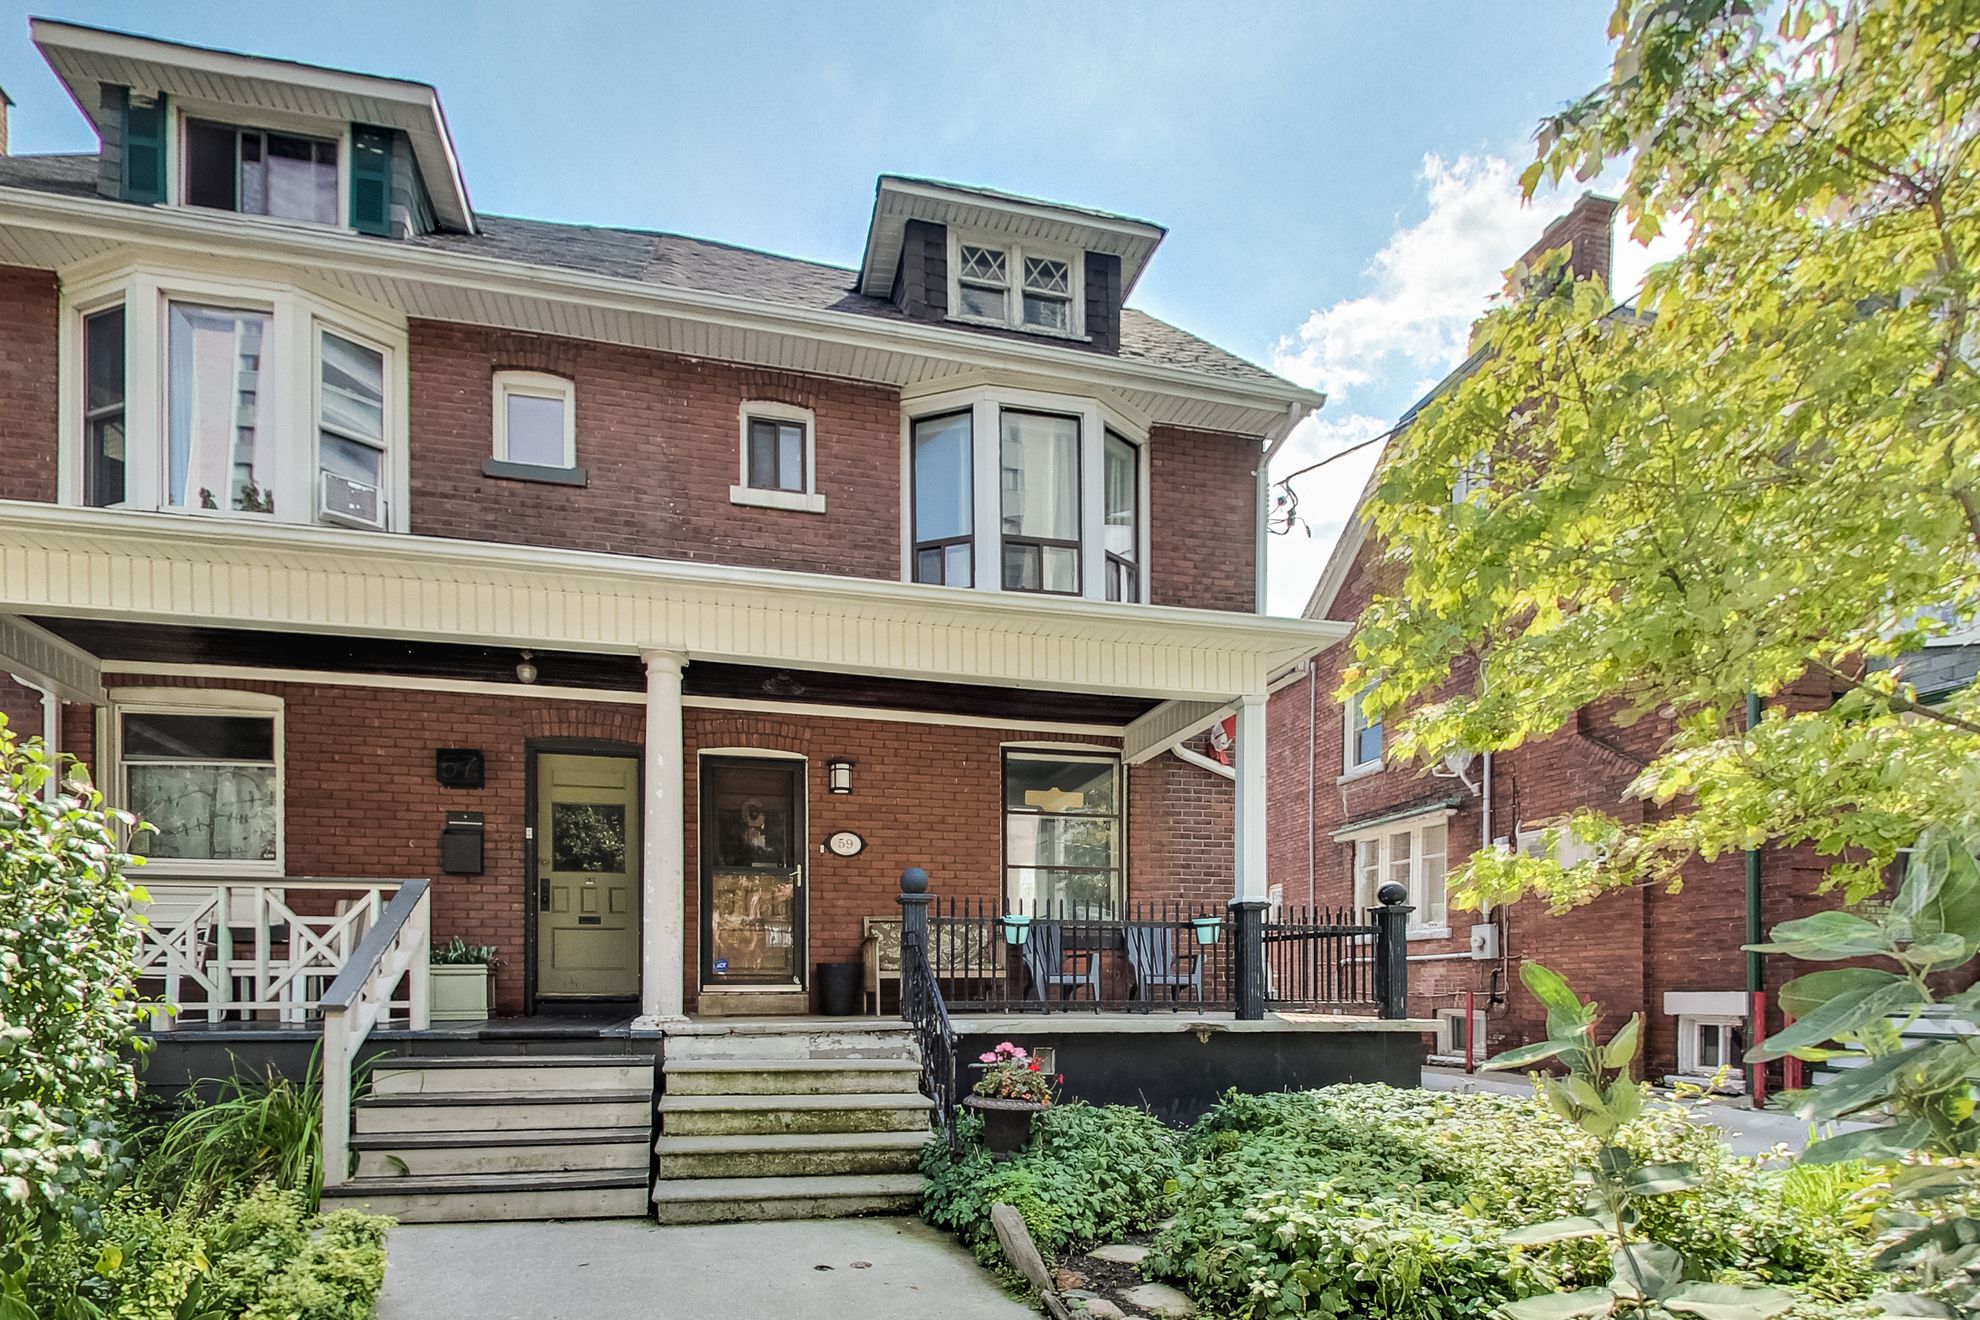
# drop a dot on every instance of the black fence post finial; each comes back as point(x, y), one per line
point(1392, 950)
point(1248, 957)
point(914, 900)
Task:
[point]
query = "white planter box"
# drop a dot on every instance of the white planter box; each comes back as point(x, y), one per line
point(458, 991)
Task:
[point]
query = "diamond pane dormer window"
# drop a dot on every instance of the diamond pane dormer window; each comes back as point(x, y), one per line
point(983, 278)
point(1048, 294)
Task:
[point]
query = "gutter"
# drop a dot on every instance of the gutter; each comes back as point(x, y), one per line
point(1203, 762)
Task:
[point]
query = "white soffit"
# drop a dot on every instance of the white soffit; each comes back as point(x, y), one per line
point(38, 656)
point(897, 200)
point(117, 564)
point(84, 58)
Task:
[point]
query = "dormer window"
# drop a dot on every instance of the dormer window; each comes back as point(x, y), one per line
point(1011, 286)
point(253, 172)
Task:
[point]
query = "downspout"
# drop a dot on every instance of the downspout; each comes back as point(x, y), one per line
point(1757, 1026)
point(1198, 759)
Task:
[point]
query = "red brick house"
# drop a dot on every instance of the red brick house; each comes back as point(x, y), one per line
point(1345, 819)
point(656, 601)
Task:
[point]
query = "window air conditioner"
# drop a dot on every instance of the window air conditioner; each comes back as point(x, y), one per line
point(352, 503)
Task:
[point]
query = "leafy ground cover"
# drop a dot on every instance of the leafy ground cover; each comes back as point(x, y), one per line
point(1372, 1201)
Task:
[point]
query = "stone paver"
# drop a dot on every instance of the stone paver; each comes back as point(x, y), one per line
point(1161, 1299)
point(618, 1269)
point(1121, 1253)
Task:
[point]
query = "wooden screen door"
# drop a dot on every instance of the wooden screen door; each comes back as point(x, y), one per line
point(752, 872)
point(587, 875)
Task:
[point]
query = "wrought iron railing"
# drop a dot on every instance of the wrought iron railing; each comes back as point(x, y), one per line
point(923, 1008)
point(1319, 959)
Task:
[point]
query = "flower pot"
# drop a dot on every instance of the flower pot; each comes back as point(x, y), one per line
point(1006, 1123)
point(457, 992)
point(1016, 929)
point(1207, 928)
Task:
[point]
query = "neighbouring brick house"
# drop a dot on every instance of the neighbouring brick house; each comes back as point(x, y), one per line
point(338, 520)
point(1344, 820)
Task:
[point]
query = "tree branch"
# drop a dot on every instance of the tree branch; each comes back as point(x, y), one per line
point(1903, 705)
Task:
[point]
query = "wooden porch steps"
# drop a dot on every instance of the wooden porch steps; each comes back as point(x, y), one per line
point(466, 1138)
point(804, 1119)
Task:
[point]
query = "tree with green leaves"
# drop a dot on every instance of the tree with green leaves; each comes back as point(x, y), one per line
point(1766, 471)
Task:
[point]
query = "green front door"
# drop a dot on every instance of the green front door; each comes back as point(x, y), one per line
point(587, 875)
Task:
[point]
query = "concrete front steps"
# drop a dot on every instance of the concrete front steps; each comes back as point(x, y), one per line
point(468, 1138)
point(789, 1119)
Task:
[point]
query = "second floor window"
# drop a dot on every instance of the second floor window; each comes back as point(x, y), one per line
point(1364, 736)
point(260, 173)
point(1040, 483)
point(944, 519)
point(776, 454)
point(1123, 529)
point(535, 419)
point(235, 399)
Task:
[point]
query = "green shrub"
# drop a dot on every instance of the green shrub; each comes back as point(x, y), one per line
point(1091, 1173)
point(261, 1129)
point(264, 1256)
point(68, 1003)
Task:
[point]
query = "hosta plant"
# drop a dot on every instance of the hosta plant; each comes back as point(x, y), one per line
point(1598, 1095)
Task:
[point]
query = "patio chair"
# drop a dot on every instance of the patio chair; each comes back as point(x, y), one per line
point(880, 951)
point(1157, 963)
point(1048, 964)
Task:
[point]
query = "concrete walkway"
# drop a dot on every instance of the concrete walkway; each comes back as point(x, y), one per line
point(616, 1269)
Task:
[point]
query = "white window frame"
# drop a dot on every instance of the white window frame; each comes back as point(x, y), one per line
point(1051, 751)
point(200, 701)
point(1447, 1046)
point(985, 404)
point(286, 409)
point(535, 385)
point(807, 500)
point(1431, 919)
point(1691, 1028)
point(1531, 841)
point(181, 109)
point(1350, 767)
point(1015, 251)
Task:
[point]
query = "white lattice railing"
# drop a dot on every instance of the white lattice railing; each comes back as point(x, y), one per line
point(233, 950)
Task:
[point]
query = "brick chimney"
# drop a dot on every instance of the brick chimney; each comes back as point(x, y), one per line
point(1586, 231)
point(5, 101)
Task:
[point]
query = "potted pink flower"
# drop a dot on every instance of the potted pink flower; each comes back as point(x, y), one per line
point(1013, 1089)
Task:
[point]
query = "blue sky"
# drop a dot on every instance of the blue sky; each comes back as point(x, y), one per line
point(1336, 177)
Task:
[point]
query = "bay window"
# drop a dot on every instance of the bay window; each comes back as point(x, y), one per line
point(231, 399)
point(1411, 854)
point(1062, 833)
point(1054, 506)
point(1039, 470)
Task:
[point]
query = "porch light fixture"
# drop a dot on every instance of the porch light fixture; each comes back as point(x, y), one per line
point(839, 774)
point(526, 668)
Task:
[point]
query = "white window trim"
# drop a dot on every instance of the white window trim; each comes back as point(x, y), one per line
point(199, 701)
point(535, 385)
point(1690, 1036)
point(1350, 768)
point(1015, 251)
point(286, 412)
point(1448, 1047)
point(1066, 751)
point(807, 500)
point(985, 404)
point(1427, 922)
point(181, 109)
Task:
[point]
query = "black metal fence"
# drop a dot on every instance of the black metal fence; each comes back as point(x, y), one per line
point(1320, 959)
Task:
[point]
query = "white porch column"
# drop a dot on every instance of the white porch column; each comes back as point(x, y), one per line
point(1249, 815)
point(663, 896)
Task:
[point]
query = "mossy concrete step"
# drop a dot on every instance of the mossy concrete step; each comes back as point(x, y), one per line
point(711, 1115)
point(475, 1198)
point(503, 1111)
point(728, 1200)
point(786, 1155)
point(793, 1038)
point(402, 1154)
point(790, 1076)
point(467, 1074)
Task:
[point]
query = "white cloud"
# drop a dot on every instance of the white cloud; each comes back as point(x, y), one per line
point(1388, 346)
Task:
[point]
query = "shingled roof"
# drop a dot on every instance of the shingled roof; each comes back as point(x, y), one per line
point(680, 262)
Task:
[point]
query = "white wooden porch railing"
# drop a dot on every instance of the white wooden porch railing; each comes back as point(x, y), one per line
point(398, 945)
point(244, 947)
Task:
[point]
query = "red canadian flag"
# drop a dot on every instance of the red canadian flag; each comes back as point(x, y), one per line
point(1223, 739)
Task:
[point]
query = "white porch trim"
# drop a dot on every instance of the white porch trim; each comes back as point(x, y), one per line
point(1166, 726)
point(167, 568)
point(40, 659)
point(663, 836)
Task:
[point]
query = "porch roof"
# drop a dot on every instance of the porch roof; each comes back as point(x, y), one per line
point(176, 568)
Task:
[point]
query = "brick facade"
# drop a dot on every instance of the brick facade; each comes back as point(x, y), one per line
point(361, 801)
point(1202, 498)
point(28, 310)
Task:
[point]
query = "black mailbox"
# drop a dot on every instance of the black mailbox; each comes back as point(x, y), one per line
point(460, 843)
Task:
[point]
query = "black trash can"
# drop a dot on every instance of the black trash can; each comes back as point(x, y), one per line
point(838, 988)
